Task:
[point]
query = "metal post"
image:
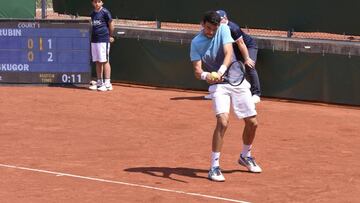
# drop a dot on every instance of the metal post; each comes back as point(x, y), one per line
point(290, 32)
point(158, 24)
point(43, 9)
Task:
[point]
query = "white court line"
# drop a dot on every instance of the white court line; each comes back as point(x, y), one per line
point(121, 183)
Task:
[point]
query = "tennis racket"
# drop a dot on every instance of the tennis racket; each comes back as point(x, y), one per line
point(235, 74)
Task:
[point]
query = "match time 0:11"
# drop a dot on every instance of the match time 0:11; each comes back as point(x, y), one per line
point(71, 78)
point(48, 44)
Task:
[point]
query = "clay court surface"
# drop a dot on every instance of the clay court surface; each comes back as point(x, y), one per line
point(141, 144)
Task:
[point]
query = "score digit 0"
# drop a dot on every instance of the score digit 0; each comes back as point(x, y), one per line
point(30, 56)
point(30, 43)
point(30, 53)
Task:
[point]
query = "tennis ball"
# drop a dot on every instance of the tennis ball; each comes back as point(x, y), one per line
point(215, 76)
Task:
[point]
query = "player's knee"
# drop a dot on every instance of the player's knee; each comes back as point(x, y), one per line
point(251, 122)
point(222, 121)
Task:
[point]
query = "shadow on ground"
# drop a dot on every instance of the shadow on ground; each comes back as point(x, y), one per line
point(167, 172)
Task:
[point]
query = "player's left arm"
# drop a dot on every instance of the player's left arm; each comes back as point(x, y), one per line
point(228, 53)
point(111, 30)
point(110, 23)
point(228, 50)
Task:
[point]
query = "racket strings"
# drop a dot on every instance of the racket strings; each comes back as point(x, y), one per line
point(235, 74)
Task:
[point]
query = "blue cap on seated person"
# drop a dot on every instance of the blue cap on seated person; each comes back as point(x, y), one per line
point(222, 13)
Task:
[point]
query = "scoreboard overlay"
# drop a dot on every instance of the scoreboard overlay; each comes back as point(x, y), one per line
point(45, 51)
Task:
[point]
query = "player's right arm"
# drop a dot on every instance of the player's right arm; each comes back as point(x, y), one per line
point(195, 58)
point(197, 69)
point(200, 74)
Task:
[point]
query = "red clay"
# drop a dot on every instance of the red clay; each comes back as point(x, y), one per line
point(161, 138)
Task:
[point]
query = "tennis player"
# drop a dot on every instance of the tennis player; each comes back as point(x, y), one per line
point(211, 50)
point(102, 30)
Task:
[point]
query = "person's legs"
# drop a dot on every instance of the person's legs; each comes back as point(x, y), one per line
point(96, 57)
point(245, 158)
point(249, 130)
point(244, 108)
point(222, 121)
point(221, 105)
point(107, 75)
point(100, 74)
point(103, 69)
point(253, 78)
point(107, 68)
point(252, 74)
point(248, 135)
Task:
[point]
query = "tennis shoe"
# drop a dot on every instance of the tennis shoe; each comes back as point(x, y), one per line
point(250, 164)
point(109, 87)
point(216, 175)
point(93, 82)
point(208, 96)
point(256, 98)
point(102, 88)
point(93, 87)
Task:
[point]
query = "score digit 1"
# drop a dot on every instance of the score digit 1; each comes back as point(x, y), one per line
point(50, 43)
point(40, 44)
point(50, 54)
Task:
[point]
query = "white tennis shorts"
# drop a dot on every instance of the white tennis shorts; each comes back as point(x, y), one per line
point(240, 97)
point(100, 52)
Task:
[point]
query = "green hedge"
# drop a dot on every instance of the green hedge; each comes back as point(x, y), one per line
point(17, 9)
point(303, 16)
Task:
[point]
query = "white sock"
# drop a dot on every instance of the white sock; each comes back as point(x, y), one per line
point(107, 81)
point(246, 151)
point(215, 159)
point(99, 81)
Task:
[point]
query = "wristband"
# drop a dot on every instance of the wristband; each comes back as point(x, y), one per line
point(222, 70)
point(204, 75)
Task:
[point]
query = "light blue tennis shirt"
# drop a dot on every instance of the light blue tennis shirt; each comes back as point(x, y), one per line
point(211, 51)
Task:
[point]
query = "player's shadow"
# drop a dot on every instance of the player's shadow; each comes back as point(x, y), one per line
point(167, 172)
point(188, 98)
